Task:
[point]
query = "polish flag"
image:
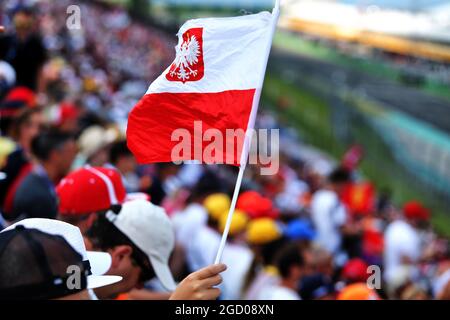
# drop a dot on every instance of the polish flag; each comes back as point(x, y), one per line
point(215, 82)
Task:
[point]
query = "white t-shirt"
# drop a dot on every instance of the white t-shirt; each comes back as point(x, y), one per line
point(328, 215)
point(201, 249)
point(289, 199)
point(262, 281)
point(278, 293)
point(400, 240)
point(238, 259)
point(186, 223)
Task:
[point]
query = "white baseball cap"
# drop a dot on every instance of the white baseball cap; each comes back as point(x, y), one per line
point(98, 262)
point(150, 229)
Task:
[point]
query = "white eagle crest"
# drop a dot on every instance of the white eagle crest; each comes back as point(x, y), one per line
point(187, 56)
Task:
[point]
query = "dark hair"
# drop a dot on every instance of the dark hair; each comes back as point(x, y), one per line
point(288, 256)
point(104, 235)
point(24, 9)
point(118, 150)
point(45, 143)
point(269, 250)
point(339, 175)
point(21, 119)
point(208, 183)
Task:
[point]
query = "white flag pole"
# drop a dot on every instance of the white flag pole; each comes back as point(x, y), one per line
point(248, 136)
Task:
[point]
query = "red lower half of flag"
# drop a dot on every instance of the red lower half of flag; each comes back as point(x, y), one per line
point(208, 127)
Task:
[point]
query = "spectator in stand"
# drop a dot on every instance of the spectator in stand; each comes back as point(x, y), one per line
point(24, 49)
point(330, 216)
point(96, 263)
point(25, 127)
point(16, 101)
point(265, 238)
point(317, 282)
point(318, 260)
point(158, 189)
point(87, 192)
point(53, 254)
point(55, 153)
point(317, 287)
point(355, 270)
point(194, 216)
point(289, 264)
point(140, 239)
point(301, 232)
point(94, 145)
point(123, 160)
point(202, 247)
point(403, 242)
point(236, 254)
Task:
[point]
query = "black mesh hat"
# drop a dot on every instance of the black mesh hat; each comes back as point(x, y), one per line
point(35, 266)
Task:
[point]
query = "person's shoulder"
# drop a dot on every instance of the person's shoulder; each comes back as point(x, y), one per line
point(6, 38)
point(397, 224)
point(35, 39)
point(398, 229)
point(195, 209)
point(207, 236)
point(32, 182)
point(280, 293)
point(325, 193)
point(28, 179)
point(324, 197)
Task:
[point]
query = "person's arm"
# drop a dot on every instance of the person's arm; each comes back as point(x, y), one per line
point(200, 285)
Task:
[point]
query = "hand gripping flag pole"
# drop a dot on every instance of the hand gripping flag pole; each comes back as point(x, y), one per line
point(248, 136)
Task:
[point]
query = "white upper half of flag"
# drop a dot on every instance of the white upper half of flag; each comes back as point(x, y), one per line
point(234, 56)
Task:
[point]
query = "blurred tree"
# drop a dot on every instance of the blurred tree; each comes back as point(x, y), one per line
point(140, 8)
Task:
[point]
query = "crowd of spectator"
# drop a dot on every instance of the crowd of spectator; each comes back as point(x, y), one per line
point(69, 184)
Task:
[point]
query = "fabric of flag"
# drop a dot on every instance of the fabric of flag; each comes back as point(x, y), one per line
point(215, 79)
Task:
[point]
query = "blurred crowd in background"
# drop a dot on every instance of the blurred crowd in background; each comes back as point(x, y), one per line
point(316, 230)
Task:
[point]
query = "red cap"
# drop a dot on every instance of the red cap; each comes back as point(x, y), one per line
point(373, 242)
point(67, 112)
point(415, 210)
point(22, 94)
point(90, 190)
point(355, 270)
point(256, 206)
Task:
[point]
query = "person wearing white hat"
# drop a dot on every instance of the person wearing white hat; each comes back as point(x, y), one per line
point(97, 263)
point(140, 238)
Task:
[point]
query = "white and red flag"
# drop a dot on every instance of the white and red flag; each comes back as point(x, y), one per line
point(216, 78)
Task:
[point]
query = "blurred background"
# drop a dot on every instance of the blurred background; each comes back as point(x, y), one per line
point(355, 72)
point(357, 83)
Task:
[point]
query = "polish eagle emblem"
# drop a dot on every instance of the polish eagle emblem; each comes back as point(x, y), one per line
point(188, 64)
